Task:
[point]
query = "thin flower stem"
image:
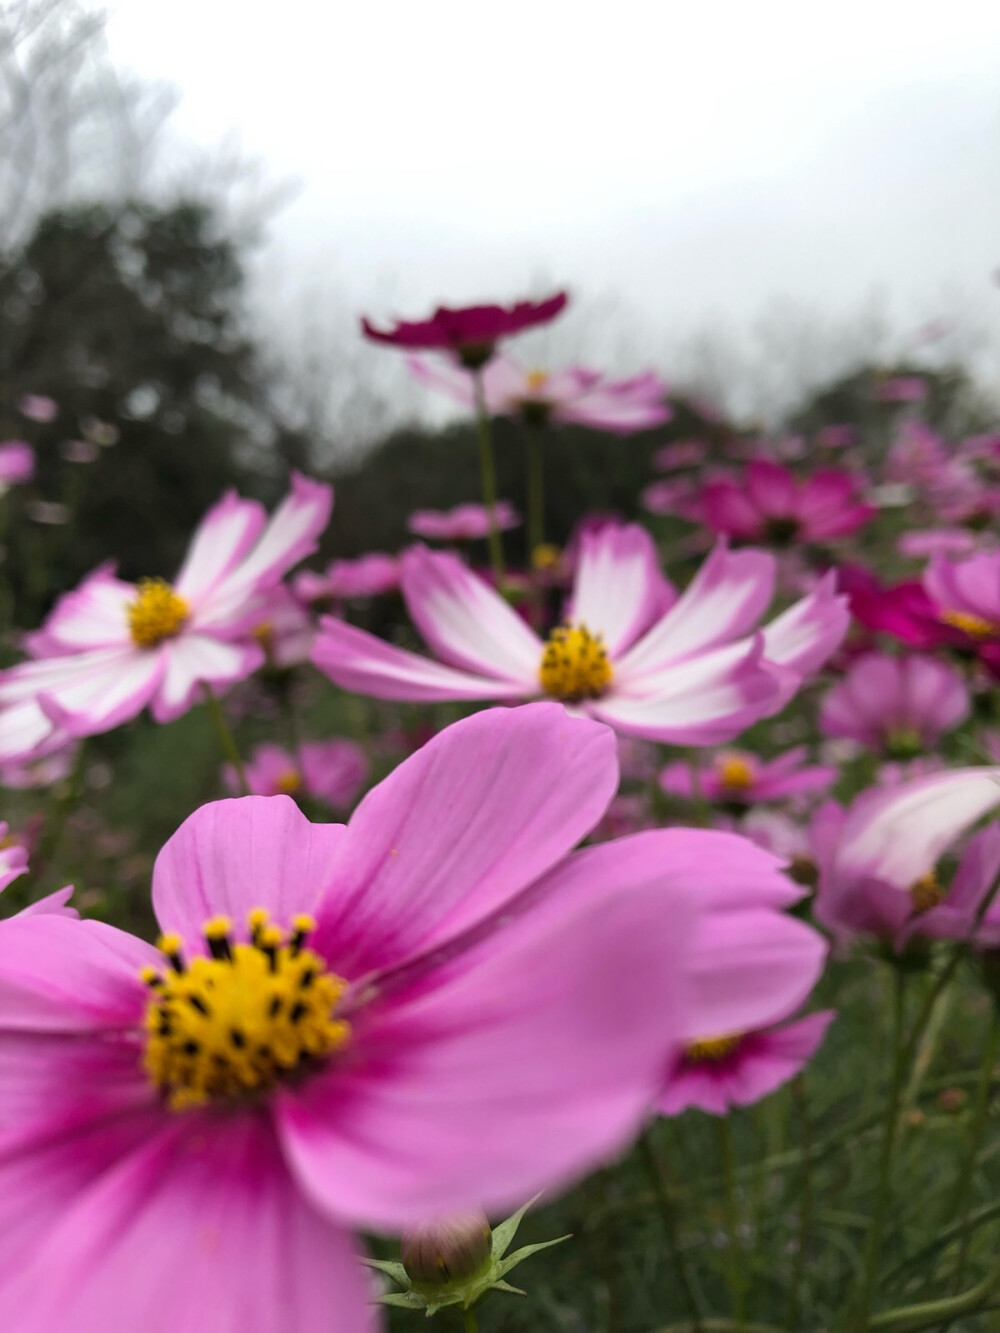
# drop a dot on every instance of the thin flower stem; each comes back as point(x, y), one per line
point(734, 1256)
point(535, 478)
point(900, 1052)
point(668, 1216)
point(962, 1203)
point(938, 1314)
point(226, 741)
point(469, 1321)
point(487, 468)
point(56, 823)
point(805, 1200)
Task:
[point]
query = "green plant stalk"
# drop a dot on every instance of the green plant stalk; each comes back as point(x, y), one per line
point(962, 1207)
point(469, 1323)
point(535, 487)
point(487, 468)
point(64, 807)
point(668, 1216)
point(735, 1276)
point(899, 1064)
point(805, 1201)
point(936, 1314)
point(226, 741)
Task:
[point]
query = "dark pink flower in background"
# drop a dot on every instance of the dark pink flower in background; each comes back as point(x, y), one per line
point(464, 523)
point(902, 389)
point(737, 777)
point(17, 464)
point(837, 437)
point(899, 705)
point(368, 575)
point(470, 333)
point(769, 503)
point(38, 407)
point(563, 397)
point(680, 454)
point(331, 771)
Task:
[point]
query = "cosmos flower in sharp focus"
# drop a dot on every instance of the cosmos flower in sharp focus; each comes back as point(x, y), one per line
point(697, 674)
point(325, 1040)
point(736, 777)
point(900, 705)
point(880, 863)
point(332, 771)
point(110, 648)
point(470, 333)
point(464, 523)
point(17, 464)
point(563, 397)
point(769, 504)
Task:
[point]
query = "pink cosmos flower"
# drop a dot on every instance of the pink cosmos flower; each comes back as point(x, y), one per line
point(332, 771)
point(691, 669)
point(879, 865)
point(837, 437)
point(668, 497)
point(285, 629)
point(17, 464)
point(736, 777)
point(13, 858)
point(470, 333)
point(464, 523)
point(37, 407)
point(20, 775)
point(902, 389)
point(564, 397)
point(439, 1007)
point(768, 503)
point(110, 648)
point(900, 705)
point(369, 575)
point(680, 454)
point(918, 544)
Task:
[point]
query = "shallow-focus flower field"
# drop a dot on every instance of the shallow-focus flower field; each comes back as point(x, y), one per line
point(632, 886)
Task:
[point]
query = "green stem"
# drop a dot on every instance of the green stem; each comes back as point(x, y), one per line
point(469, 1321)
point(805, 1201)
point(936, 1314)
point(734, 1255)
point(899, 1064)
point(487, 468)
point(668, 1216)
point(56, 823)
point(226, 741)
point(962, 1203)
point(535, 476)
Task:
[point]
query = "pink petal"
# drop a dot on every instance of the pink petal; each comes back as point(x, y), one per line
point(356, 660)
point(232, 856)
point(107, 688)
point(460, 828)
point(192, 660)
point(465, 621)
point(222, 539)
point(94, 615)
point(617, 588)
point(805, 636)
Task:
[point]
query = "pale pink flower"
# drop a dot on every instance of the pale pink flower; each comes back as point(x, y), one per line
point(110, 648)
point(680, 454)
point(737, 777)
point(37, 407)
point(331, 771)
point(692, 669)
point(171, 1165)
point(563, 397)
point(368, 575)
point(902, 389)
point(20, 775)
point(13, 857)
point(918, 544)
point(667, 497)
point(879, 867)
point(899, 705)
point(464, 523)
point(17, 464)
point(285, 630)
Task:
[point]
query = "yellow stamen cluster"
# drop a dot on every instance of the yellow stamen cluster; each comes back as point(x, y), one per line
point(735, 771)
point(575, 665)
point(157, 613)
point(927, 892)
point(234, 1024)
point(537, 379)
point(710, 1049)
point(977, 627)
point(545, 556)
point(289, 782)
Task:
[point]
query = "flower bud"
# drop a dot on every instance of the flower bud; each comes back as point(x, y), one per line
point(451, 1250)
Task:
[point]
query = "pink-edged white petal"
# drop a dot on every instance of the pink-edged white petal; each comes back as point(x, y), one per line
point(107, 687)
point(222, 539)
point(94, 615)
point(459, 829)
point(466, 623)
point(356, 660)
point(193, 660)
point(805, 636)
point(618, 587)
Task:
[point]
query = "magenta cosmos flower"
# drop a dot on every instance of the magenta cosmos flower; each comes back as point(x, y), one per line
point(880, 871)
point(110, 648)
point(900, 705)
point(438, 1007)
point(470, 333)
point(750, 967)
point(564, 397)
point(17, 464)
point(737, 777)
point(698, 673)
point(331, 771)
point(768, 503)
point(466, 522)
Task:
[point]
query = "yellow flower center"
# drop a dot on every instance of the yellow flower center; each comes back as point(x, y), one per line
point(157, 613)
point(289, 782)
point(546, 555)
point(574, 665)
point(927, 892)
point(234, 1024)
point(710, 1049)
point(736, 771)
point(537, 379)
point(977, 627)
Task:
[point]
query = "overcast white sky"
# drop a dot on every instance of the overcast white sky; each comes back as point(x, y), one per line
point(693, 160)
